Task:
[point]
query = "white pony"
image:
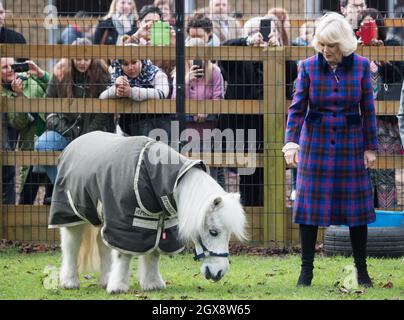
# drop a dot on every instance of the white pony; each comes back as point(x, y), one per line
point(207, 216)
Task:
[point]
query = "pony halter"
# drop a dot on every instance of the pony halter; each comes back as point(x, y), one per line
point(202, 252)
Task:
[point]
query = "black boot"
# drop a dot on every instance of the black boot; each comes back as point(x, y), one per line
point(359, 237)
point(308, 237)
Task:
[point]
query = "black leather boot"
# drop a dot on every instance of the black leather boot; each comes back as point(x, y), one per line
point(308, 237)
point(359, 237)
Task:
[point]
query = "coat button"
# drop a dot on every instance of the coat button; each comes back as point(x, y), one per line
point(332, 142)
point(336, 89)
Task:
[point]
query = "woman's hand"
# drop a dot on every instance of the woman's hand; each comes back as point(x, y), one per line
point(290, 153)
point(122, 87)
point(256, 40)
point(34, 70)
point(194, 73)
point(61, 68)
point(373, 42)
point(291, 157)
point(143, 32)
point(273, 41)
point(376, 43)
point(370, 159)
point(16, 86)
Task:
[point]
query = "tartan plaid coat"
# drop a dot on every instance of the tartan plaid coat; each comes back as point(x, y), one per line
point(332, 118)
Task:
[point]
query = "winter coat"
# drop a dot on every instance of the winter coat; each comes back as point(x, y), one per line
point(72, 125)
point(332, 117)
point(28, 125)
point(107, 28)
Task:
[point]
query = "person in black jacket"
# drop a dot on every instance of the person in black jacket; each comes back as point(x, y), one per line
point(8, 35)
point(120, 20)
point(245, 81)
point(10, 134)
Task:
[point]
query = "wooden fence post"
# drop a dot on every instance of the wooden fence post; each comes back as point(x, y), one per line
point(275, 220)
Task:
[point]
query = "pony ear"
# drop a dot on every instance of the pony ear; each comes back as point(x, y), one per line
point(216, 203)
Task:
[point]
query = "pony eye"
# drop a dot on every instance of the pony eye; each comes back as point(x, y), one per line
point(213, 233)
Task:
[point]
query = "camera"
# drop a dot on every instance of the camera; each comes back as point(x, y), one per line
point(20, 67)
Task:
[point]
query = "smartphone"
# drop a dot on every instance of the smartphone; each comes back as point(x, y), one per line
point(200, 65)
point(368, 32)
point(265, 28)
point(20, 67)
point(160, 33)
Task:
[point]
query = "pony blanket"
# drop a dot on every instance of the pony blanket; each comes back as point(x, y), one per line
point(126, 185)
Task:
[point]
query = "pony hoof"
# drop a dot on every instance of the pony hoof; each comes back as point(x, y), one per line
point(70, 285)
point(103, 284)
point(117, 290)
point(153, 286)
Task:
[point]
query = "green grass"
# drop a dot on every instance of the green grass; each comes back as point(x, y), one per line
point(250, 277)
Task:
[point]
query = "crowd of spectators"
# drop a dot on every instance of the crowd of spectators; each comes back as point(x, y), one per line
point(154, 78)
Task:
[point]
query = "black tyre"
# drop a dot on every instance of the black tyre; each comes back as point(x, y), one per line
point(382, 242)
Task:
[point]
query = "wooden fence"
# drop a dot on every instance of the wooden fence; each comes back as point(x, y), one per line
point(268, 225)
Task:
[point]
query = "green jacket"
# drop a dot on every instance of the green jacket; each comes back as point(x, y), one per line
point(29, 125)
point(72, 125)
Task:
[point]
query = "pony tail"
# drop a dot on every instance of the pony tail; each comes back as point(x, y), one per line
point(89, 260)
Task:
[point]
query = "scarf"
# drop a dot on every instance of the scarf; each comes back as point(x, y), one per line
point(121, 27)
point(143, 80)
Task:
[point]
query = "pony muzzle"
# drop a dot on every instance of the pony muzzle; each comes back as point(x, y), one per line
point(215, 270)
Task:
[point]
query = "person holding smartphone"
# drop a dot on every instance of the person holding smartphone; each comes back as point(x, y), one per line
point(203, 81)
point(245, 82)
point(148, 16)
point(30, 81)
point(387, 77)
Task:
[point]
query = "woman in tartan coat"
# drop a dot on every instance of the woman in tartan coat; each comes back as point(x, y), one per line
point(331, 137)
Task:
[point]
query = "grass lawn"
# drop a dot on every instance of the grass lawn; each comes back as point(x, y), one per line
point(249, 278)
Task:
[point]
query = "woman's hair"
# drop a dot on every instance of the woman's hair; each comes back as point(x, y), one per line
point(254, 23)
point(170, 3)
point(112, 9)
point(283, 17)
point(200, 21)
point(149, 9)
point(332, 28)
point(96, 74)
point(198, 42)
point(378, 17)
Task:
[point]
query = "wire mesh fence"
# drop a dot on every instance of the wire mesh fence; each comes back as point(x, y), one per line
point(222, 94)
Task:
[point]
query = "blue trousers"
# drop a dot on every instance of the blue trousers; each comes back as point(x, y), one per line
point(50, 141)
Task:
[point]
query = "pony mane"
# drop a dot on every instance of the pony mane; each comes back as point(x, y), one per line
point(195, 194)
